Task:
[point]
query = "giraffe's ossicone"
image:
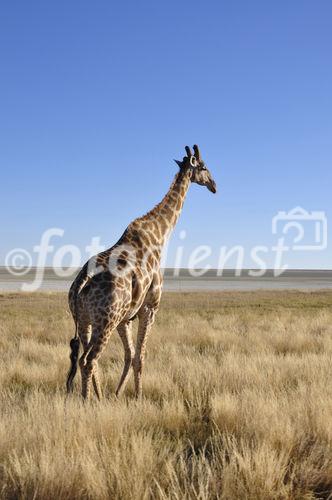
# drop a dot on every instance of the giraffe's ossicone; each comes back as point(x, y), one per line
point(125, 282)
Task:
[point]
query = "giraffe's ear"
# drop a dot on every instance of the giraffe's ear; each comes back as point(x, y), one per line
point(193, 161)
point(179, 163)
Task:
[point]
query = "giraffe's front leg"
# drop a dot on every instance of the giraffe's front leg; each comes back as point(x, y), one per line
point(125, 333)
point(146, 320)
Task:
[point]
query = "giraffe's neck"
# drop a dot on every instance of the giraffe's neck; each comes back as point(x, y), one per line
point(163, 217)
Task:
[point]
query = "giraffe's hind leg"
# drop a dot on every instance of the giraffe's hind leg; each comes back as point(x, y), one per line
point(89, 359)
point(84, 333)
point(124, 330)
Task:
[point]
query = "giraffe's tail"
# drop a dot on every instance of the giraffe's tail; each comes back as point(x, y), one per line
point(75, 347)
point(74, 351)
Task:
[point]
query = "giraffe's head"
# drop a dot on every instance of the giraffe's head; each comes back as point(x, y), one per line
point(199, 172)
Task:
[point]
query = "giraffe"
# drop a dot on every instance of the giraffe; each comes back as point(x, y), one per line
point(125, 282)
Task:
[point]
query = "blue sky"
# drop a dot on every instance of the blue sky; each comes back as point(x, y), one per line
point(97, 98)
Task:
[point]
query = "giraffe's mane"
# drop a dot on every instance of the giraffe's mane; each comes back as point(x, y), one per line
point(147, 215)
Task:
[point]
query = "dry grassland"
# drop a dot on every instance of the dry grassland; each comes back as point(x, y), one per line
point(237, 403)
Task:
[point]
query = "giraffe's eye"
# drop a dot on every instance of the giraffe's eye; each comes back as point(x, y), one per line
point(203, 167)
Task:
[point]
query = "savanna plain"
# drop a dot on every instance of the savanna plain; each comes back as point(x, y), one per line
point(237, 402)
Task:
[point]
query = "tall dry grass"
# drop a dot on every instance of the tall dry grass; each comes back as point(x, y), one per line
point(237, 403)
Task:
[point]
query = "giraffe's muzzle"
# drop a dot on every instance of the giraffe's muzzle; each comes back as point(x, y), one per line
point(212, 187)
